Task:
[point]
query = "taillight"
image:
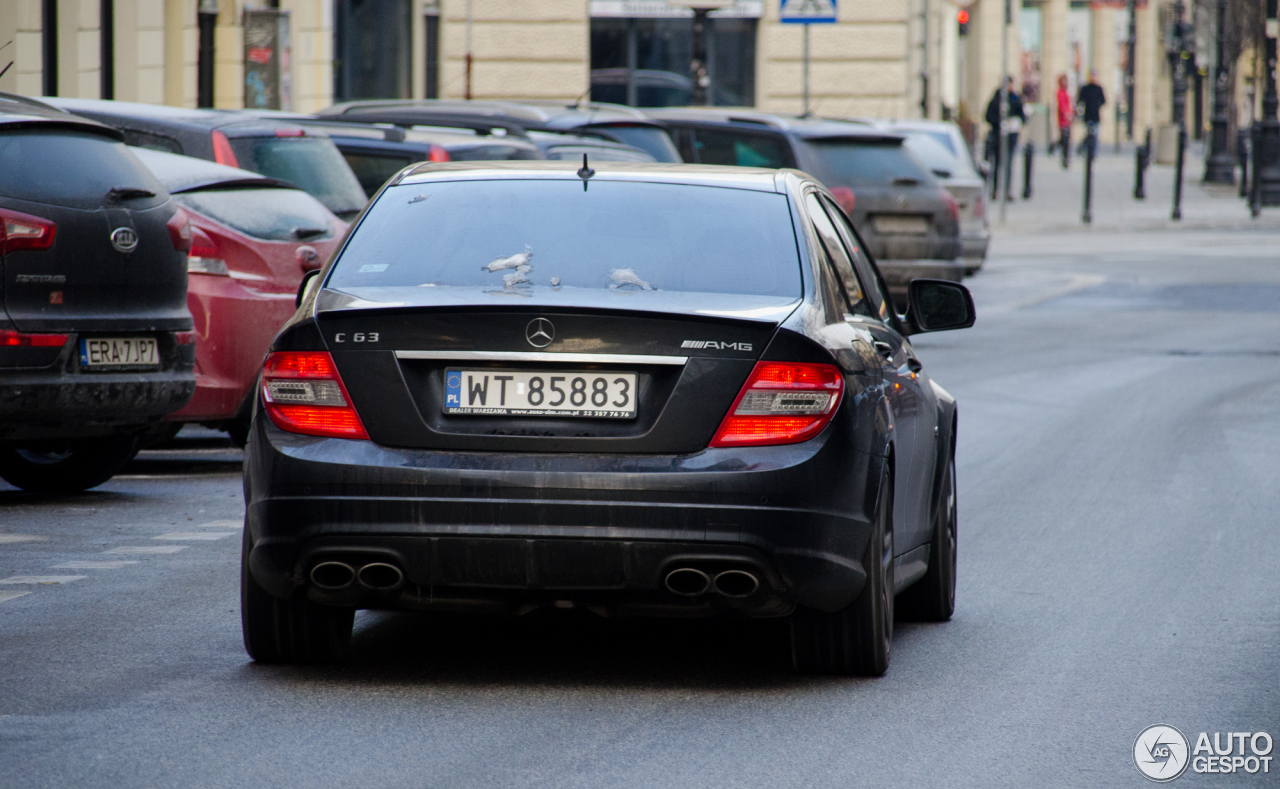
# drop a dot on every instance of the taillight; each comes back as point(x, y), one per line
point(782, 403)
point(291, 132)
point(303, 393)
point(180, 230)
point(438, 154)
point(953, 208)
point(222, 153)
point(23, 231)
point(844, 198)
point(14, 339)
point(203, 257)
point(184, 337)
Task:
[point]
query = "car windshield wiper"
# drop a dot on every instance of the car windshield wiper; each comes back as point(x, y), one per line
point(119, 193)
point(906, 181)
point(303, 233)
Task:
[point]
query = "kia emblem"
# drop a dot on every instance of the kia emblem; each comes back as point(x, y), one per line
point(540, 332)
point(124, 239)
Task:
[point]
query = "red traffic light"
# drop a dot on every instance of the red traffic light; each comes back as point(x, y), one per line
point(962, 16)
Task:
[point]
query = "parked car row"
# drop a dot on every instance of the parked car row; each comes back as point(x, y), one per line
point(258, 199)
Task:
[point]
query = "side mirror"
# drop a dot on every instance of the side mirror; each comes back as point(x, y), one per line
point(939, 305)
point(305, 287)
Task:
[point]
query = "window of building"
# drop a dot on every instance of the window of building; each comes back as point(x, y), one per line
point(372, 52)
point(644, 62)
point(433, 52)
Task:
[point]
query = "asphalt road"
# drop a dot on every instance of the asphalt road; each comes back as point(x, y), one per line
point(1119, 487)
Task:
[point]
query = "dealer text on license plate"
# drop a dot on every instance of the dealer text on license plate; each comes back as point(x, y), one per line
point(119, 351)
point(609, 395)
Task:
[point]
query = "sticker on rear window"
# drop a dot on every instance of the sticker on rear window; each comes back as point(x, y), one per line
point(373, 268)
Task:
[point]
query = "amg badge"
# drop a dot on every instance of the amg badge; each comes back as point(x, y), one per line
point(720, 346)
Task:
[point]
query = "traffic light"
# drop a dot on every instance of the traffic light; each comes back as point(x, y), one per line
point(962, 20)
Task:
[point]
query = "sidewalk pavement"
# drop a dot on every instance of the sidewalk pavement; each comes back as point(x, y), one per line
point(1057, 198)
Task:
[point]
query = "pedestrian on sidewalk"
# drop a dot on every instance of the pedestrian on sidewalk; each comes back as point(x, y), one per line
point(1089, 103)
point(1066, 114)
point(1014, 117)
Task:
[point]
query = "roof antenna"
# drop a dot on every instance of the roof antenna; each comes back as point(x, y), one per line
point(585, 173)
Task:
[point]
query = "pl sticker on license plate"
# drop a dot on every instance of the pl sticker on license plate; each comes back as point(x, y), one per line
point(602, 395)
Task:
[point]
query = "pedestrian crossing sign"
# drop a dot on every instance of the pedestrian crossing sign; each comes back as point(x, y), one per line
point(807, 12)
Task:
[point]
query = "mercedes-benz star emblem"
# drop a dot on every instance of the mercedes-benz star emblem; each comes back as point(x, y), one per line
point(124, 239)
point(540, 332)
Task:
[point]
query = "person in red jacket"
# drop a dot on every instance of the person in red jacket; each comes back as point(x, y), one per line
point(1066, 114)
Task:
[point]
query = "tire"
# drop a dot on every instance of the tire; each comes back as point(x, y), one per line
point(289, 631)
point(933, 597)
point(69, 468)
point(856, 640)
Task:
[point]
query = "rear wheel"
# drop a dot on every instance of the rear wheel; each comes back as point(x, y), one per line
point(289, 631)
point(69, 467)
point(857, 639)
point(933, 597)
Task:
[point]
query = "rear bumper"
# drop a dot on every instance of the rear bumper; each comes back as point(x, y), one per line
point(974, 246)
point(34, 406)
point(64, 401)
point(508, 530)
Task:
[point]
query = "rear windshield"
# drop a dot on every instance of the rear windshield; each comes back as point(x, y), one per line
point(270, 214)
point(69, 168)
point(373, 170)
point(865, 163)
point(517, 235)
point(942, 161)
point(651, 139)
point(312, 163)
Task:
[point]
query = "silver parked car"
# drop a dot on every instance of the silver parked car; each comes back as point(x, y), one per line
point(943, 149)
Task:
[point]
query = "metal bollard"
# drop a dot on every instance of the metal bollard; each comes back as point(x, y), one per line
point(1177, 175)
point(1028, 156)
point(1242, 155)
point(1087, 217)
point(1143, 158)
point(1255, 187)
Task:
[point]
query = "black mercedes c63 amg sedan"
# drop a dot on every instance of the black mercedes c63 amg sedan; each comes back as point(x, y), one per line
point(641, 389)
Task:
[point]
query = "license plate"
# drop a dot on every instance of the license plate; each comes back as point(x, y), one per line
point(901, 225)
point(119, 352)
point(544, 393)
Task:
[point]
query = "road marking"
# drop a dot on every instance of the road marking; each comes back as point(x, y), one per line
point(107, 565)
point(41, 579)
point(7, 539)
point(194, 535)
point(149, 549)
point(228, 524)
point(6, 596)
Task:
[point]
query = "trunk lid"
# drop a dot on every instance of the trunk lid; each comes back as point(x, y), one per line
point(690, 354)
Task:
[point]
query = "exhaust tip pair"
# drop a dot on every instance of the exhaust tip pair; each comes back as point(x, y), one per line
point(691, 582)
point(376, 576)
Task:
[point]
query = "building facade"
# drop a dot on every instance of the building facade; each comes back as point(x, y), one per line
point(885, 58)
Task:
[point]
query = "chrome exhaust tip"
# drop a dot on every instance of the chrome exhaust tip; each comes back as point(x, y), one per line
point(380, 576)
point(687, 582)
point(333, 575)
point(736, 583)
